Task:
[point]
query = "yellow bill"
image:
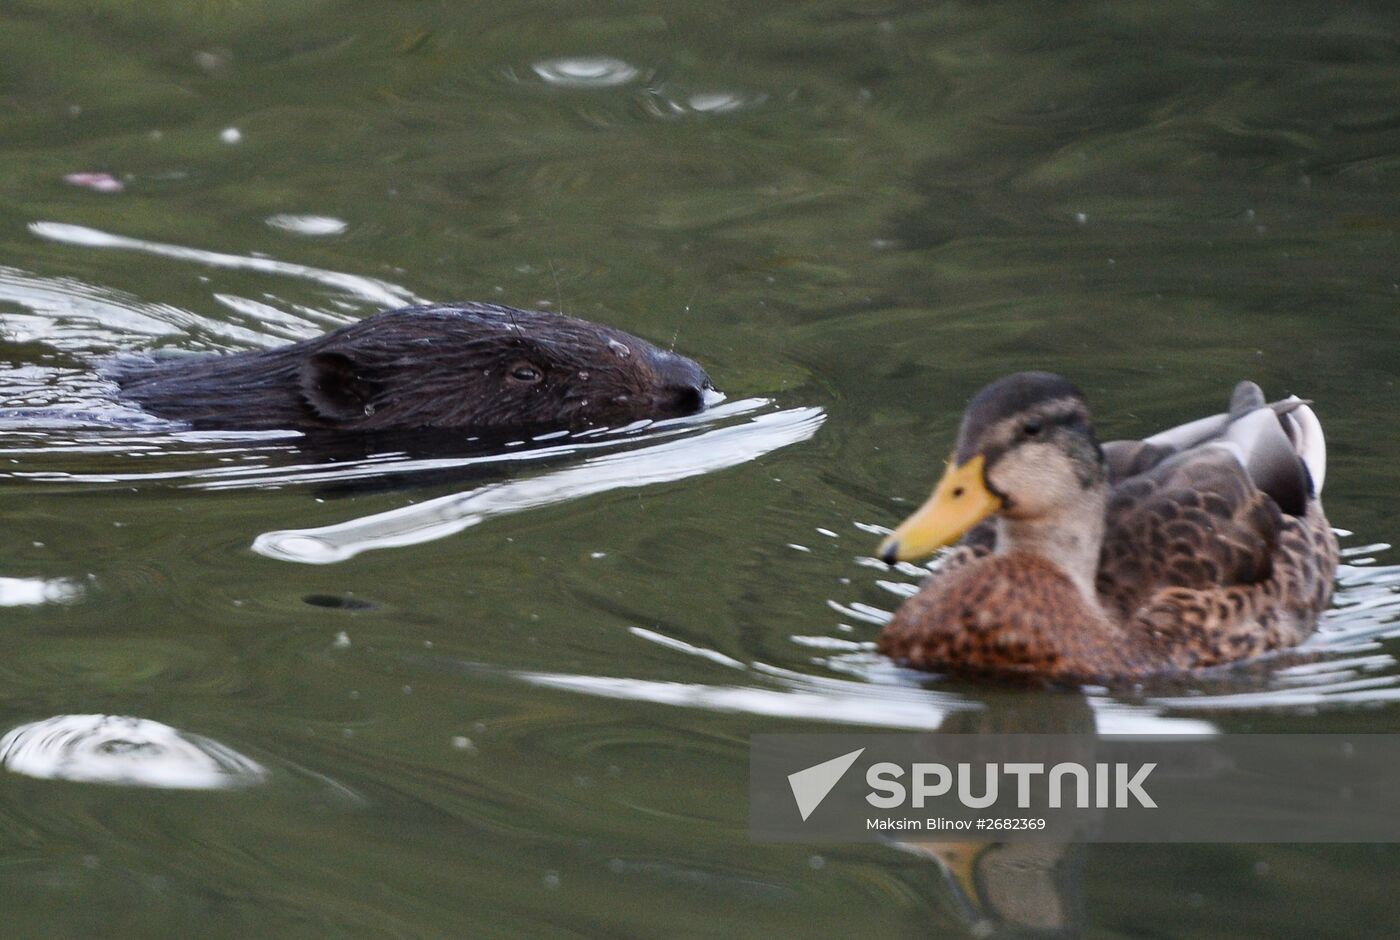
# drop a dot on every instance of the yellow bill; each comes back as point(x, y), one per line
point(959, 502)
point(959, 860)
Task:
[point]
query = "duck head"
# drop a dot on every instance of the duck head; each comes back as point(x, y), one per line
point(1027, 453)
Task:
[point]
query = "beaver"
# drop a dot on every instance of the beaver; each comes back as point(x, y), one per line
point(470, 367)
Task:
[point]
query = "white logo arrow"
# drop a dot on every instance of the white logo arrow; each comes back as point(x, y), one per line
point(810, 786)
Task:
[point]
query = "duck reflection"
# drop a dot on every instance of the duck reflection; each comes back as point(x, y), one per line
point(1015, 889)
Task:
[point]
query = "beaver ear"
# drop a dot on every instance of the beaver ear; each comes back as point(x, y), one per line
point(332, 385)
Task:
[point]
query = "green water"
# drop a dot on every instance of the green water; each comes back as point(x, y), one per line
point(854, 214)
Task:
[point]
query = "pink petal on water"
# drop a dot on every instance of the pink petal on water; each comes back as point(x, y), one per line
point(97, 182)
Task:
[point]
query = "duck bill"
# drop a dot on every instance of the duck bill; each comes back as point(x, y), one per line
point(959, 502)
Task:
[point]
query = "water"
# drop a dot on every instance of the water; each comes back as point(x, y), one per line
point(509, 693)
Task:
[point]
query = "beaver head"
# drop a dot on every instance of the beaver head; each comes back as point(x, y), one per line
point(474, 367)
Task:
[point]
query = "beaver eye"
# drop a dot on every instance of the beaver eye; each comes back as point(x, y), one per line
point(1032, 427)
point(525, 373)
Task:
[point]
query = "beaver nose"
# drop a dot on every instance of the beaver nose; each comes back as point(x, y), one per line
point(687, 400)
point(683, 384)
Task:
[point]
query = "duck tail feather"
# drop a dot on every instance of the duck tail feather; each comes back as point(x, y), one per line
point(1267, 453)
point(1305, 432)
point(1246, 397)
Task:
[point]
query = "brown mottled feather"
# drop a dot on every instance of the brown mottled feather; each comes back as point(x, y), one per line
point(1014, 614)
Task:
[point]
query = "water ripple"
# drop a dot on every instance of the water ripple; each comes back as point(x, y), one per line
point(1341, 666)
point(668, 103)
point(118, 749)
point(309, 225)
point(368, 289)
point(30, 592)
point(438, 518)
point(585, 72)
point(68, 314)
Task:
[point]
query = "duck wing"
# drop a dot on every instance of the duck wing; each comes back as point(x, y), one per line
point(1279, 445)
point(1195, 521)
point(1203, 506)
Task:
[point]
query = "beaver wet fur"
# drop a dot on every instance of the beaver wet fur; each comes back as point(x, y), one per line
point(469, 367)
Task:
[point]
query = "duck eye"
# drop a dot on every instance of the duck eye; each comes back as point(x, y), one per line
point(1032, 427)
point(525, 373)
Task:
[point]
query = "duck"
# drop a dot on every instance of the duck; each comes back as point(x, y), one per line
point(1075, 562)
